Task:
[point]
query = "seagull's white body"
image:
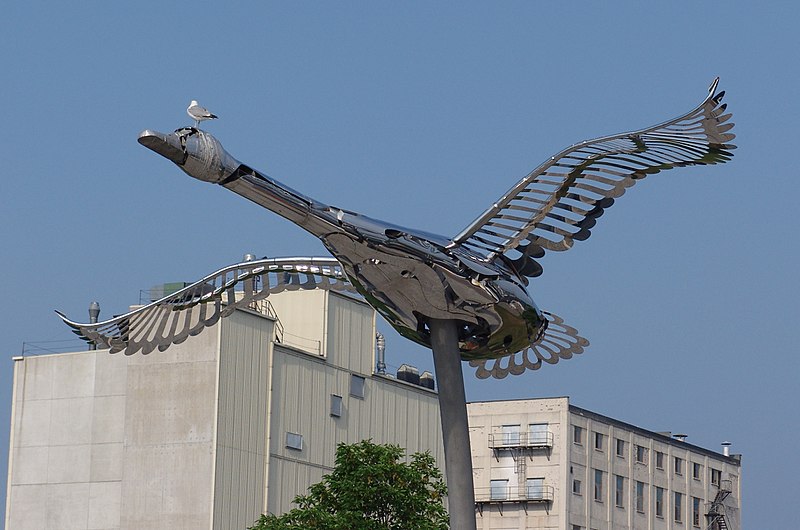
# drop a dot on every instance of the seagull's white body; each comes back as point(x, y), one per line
point(198, 113)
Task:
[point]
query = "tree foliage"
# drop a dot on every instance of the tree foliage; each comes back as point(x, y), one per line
point(370, 489)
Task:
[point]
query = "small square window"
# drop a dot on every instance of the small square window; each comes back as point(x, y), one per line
point(697, 471)
point(534, 489)
point(510, 435)
point(659, 460)
point(716, 476)
point(576, 487)
point(641, 454)
point(357, 386)
point(539, 434)
point(294, 441)
point(620, 448)
point(498, 489)
point(336, 406)
point(577, 435)
point(598, 441)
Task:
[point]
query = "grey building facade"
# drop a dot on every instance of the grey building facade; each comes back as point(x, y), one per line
point(241, 418)
point(547, 464)
point(212, 432)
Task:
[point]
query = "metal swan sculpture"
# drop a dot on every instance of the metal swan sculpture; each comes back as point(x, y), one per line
point(477, 278)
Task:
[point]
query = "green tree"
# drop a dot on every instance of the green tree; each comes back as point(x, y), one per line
point(370, 489)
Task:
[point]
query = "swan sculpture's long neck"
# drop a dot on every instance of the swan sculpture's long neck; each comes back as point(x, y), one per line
point(202, 156)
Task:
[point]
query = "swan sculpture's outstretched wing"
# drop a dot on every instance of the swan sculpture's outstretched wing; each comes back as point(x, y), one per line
point(187, 312)
point(559, 201)
point(559, 341)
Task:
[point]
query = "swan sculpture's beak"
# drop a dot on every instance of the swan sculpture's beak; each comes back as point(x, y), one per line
point(196, 152)
point(166, 145)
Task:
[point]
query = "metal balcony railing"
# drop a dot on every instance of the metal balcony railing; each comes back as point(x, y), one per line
point(498, 494)
point(510, 440)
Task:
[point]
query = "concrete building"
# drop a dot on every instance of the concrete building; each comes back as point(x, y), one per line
point(547, 464)
point(241, 418)
point(211, 432)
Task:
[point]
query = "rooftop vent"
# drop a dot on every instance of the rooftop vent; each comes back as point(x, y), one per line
point(426, 380)
point(408, 373)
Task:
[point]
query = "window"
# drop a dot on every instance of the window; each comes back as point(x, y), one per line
point(537, 432)
point(357, 386)
point(598, 485)
point(498, 489)
point(294, 441)
point(659, 460)
point(577, 435)
point(695, 512)
point(640, 496)
point(641, 454)
point(697, 471)
point(678, 466)
point(577, 527)
point(716, 477)
point(598, 441)
point(619, 491)
point(659, 502)
point(576, 487)
point(620, 448)
point(678, 507)
point(534, 488)
point(511, 435)
point(336, 406)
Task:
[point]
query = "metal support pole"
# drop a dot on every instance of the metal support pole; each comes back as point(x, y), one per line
point(455, 429)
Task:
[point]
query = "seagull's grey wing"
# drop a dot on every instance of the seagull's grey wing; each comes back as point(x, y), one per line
point(187, 312)
point(559, 341)
point(560, 201)
point(200, 112)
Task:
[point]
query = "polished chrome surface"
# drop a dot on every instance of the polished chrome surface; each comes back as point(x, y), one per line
point(479, 278)
point(560, 201)
point(187, 312)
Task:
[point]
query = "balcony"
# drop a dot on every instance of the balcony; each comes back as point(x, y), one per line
point(502, 495)
point(511, 440)
point(520, 443)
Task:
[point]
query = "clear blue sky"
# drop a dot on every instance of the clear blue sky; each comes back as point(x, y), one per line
point(422, 114)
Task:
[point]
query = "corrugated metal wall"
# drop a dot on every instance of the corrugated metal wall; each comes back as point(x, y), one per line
point(241, 445)
point(389, 412)
point(351, 334)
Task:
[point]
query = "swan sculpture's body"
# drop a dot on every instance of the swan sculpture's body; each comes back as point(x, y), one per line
point(477, 278)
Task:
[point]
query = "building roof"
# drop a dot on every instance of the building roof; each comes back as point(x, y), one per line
point(733, 459)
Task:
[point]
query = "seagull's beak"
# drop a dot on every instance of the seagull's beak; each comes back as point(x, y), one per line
point(196, 152)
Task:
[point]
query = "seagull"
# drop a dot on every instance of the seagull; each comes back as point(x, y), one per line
point(198, 113)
